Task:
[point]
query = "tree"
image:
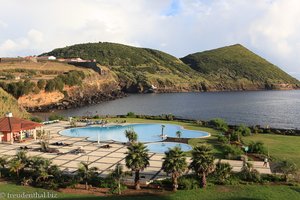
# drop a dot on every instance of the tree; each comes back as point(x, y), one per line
point(118, 174)
point(222, 171)
point(257, 147)
point(16, 166)
point(244, 130)
point(44, 140)
point(286, 167)
point(137, 159)
point(219, 124)
point(41, 84)
point(50, 86)
point(202, 161)
point(178, 134)
point(19, 162)
point(131, 135)
point(174, 163)
point(85, 173)
point(3, 164)
point(40, 166)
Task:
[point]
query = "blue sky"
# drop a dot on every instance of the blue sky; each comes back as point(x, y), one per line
point(270, 28)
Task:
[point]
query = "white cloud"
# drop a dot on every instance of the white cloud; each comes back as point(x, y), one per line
point(179, 27)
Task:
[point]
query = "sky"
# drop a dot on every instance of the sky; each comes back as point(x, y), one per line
point(270, 28)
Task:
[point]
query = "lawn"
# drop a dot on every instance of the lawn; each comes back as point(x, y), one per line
point(279, 146)
point(255, 192)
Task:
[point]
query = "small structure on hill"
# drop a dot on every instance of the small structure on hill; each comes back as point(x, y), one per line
point(15, 129)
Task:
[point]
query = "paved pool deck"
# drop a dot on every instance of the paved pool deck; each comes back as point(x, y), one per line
point(105, 159)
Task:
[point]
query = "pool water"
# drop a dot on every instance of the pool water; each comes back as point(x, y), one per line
point(162, 147)
point(145, 132)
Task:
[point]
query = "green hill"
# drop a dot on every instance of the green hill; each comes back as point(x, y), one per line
point(237, 64)
point(228, 68)
point(10, 104)
point(137, 68)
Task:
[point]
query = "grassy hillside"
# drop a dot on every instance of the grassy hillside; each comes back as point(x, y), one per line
point(237, 63)
point(10, 104)
point(228, 68)
point(137, 68)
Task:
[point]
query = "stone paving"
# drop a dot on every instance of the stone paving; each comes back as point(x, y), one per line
point(104, 159)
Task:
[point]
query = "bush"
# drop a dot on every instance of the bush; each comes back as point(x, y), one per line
point(55, 117)
point(250, 175)
point(219, 124)
point(257, 147)
point(223, 139)
point(41, 84)
point(131, 114)
point(222, 172)
point(36, 119)
point(232, 151)
point(185, 183)
point(244, 130)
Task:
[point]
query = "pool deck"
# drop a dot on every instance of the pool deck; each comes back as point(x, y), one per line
point(105, 159)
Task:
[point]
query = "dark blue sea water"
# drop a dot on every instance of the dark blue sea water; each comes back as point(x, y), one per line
point(274, 108)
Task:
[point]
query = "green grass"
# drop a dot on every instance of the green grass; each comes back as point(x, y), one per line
point(254, 192)
point(280, 146)
point(237, 63)
point(9, 104)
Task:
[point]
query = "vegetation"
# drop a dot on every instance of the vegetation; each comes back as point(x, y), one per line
point(85, 173)
point(174, 163)
point(222, 172)
point(202, 162)
point(10, 104)
point(237, 64)
point(137, 159)
point(131, 135)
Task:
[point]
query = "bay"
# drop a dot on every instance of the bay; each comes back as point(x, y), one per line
point(280, 109)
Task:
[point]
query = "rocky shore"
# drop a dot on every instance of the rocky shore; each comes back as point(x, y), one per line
point(78, 101)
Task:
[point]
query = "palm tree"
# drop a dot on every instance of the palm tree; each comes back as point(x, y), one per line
point(222, 171)
point(131, 135)
point(137, 159)
point(3, 163)
point(19, 162)
point(118, 174)
point(86, 173)
point(16, 166)
point(178, 134)
point(174, 163)
point(202, 161)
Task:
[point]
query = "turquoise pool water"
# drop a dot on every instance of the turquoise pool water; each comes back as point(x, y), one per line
point(162, 147)
point(146, 132)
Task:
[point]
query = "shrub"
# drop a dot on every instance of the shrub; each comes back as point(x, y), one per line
point(185, 183)
point(232, 151)
point(223, 139)
point(244, 130)
point(41, 84)
point(55, 117)
point(131, 114)
point(249, 174)
point(222, 172)
point(257, 147)
point(219, 124)
point(36, 119)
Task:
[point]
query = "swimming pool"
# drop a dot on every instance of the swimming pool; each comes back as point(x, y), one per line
point(145, 132)
point(162, 147)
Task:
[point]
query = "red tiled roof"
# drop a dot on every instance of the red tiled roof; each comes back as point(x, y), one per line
point(13, 124)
